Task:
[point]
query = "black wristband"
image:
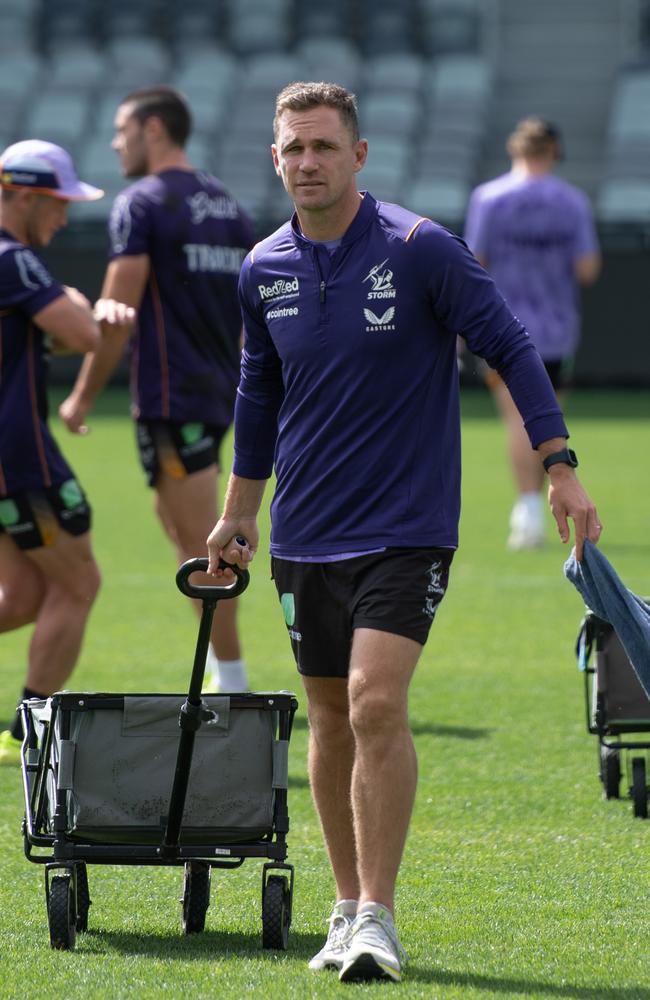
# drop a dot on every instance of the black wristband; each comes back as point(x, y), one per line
point(566, 456)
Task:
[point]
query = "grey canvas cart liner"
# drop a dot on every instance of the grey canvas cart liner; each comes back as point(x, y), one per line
point(117, 766)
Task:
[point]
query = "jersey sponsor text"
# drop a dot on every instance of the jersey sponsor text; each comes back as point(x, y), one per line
point(203, 257)
point(203, 206)
point(283, 288)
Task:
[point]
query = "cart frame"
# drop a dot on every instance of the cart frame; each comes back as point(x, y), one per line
point(615, 730)
point(46, 836)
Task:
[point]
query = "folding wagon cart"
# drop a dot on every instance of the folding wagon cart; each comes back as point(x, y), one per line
point(198, 782)
point(618, 712)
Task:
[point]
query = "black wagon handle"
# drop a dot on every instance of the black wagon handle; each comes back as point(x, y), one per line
point(205, 592)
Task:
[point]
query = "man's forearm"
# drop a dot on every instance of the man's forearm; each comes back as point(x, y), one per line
point(546, 448)
point(235, 536)
point(98, 367)
point(243, 498)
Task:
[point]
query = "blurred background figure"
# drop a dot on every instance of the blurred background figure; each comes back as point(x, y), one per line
point(177, 240)
point(48, 574)
point(535, 233)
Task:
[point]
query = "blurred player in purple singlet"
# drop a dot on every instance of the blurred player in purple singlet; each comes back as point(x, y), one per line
point(178, 240)
point(535, 234)
point(48, 574)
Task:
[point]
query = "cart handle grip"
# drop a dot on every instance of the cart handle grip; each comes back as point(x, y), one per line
point(206, 593)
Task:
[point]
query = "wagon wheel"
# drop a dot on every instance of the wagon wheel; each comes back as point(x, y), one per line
point(61, 912)
point(276, 913)
point(610, 771)
point(196, 896)
point(83, 897)
point(639, 789)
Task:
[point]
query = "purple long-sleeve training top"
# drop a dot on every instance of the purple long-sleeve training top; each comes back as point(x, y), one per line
point(349, 382)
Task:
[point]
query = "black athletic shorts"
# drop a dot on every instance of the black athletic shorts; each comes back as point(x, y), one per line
point(34, 518)
point(397, 590)
point(177, 449)
point(559, 372)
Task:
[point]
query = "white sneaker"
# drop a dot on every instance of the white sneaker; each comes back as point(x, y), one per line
point(331, 954)
point(373, 948)
point(526, 527)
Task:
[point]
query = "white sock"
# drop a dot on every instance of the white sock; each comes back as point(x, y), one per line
point(346, 907)
point(532, 501)
point(230, 675)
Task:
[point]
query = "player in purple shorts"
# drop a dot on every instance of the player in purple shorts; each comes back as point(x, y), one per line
point(48, 574)
point(535, 234)
point(349, 390)
point(178, 240)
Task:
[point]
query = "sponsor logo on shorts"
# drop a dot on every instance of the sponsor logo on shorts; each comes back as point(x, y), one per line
point(20, 529)
point(9, 513)
point(435, 589)
point(282, 312)
point(381, 279)
point(288, 604)
point(71, 494)
point(381, 323)
point(282, 288)
point(191, 433)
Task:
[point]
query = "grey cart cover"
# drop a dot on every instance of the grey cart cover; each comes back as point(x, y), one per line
point(124, 764)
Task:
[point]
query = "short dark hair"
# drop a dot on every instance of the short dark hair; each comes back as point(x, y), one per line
point(534, 137)
point(301, 96)
point(164, 103)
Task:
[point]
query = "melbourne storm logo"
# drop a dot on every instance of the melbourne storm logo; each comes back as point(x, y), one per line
point(381, 278)
point(435, 589)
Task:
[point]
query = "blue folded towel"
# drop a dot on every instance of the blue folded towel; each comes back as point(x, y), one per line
point(608, 597)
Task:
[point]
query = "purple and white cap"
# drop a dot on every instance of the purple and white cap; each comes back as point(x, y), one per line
point(45, 168)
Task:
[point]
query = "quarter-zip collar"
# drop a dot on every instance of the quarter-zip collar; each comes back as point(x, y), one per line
point(362, 220)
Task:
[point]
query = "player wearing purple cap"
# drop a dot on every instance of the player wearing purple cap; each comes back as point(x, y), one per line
point(178, 241)
point(48, 574)
point(349, 387)
point(535, 234)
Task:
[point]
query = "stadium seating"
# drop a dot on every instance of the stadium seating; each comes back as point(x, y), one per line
point(424, 70)
point(624, 194)
point(66, 64)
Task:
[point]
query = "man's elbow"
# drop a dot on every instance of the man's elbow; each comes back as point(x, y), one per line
point(85, 338)
point(588, 269)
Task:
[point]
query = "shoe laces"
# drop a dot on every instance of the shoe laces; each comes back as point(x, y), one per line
point(339, 925)
point(375, 931)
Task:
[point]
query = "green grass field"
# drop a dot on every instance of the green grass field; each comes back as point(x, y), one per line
point(518, 879)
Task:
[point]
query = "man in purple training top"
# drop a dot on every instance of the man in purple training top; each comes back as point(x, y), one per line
point(48, 574)
point(349, 384)
point(535, 234)
point(178, 240)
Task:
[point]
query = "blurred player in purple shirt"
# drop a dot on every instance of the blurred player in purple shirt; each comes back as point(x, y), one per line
point(535, 234)
point(178, 240)
point(48, 574)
